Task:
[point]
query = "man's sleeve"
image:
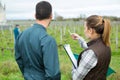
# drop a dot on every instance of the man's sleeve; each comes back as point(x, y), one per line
point(18, 56)
point(50, 59)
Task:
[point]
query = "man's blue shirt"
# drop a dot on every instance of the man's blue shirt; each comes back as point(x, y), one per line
point(37, 55)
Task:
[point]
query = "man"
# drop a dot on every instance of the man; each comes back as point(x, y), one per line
point(16, 31)
point(36, 51)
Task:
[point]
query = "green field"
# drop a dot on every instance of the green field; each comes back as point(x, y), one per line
point(59, 30)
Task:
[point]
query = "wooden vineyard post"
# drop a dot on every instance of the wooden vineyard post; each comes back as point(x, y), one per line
point(116, 40)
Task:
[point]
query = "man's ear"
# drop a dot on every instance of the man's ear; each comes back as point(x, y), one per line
point(51, 16)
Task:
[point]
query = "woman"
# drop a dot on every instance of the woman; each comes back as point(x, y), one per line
point(94, 61)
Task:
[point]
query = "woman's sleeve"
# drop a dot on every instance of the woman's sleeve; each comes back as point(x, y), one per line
point(82, 43)
point(87, 62)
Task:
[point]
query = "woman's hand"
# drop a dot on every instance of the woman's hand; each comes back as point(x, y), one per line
point(75, 36)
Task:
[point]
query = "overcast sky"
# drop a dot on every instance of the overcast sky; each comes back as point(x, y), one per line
point(25, 9)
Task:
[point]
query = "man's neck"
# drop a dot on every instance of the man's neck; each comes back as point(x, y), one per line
point(45, 22)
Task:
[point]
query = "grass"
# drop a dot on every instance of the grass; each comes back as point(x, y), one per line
point(115, 64)
point(8, 67)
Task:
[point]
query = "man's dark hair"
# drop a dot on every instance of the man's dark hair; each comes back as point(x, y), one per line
point(43, 10)
point(16, 25)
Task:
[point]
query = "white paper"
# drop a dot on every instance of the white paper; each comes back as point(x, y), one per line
point(70, 54)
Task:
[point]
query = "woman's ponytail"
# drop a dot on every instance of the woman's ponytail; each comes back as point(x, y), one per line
point(106, 32)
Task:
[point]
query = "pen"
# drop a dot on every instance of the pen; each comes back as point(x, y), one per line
point(69, 32)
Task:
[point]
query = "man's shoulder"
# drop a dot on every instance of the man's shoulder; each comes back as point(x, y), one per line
point(48, 39)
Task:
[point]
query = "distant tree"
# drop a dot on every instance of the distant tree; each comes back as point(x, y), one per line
point(112, 18)
point(57, 17)
point(82, 16)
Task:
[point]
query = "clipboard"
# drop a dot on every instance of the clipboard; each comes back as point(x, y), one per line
point(70, 54)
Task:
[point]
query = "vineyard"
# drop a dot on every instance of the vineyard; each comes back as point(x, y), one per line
point(60, 31)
